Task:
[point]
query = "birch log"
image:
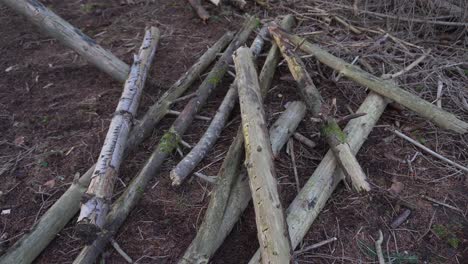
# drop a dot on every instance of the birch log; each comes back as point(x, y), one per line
point(385, 88)
point(129, 199)
point(43, 232)
point(271, 225)
point(70, 36)
point(231, 193)
point(312, 198)
point(286, 124)
point(330, 129)
point(183, 169)
point(100, 190)
point(199, 9)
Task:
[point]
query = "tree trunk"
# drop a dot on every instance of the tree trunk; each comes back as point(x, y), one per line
point(286, 124)
point(70, 36)
point(231, 194)
point(100, 190)
point(129, 199)
point(183, 169)
point(44, 231)
point(312, 198)
point(330, 130)
point(383, 87)
point(269, 215)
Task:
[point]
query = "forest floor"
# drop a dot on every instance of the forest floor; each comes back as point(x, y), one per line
point(55, 109)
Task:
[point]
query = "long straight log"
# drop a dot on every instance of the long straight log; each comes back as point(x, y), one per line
point(231, 193)
point(183, 169)
point(43, 232)
point(312, 198)
point(100, 190)
point(70, 36)
point(335, 137)
point(271, 225)
point(129, 199)
point(286, 124)
point(385, 88)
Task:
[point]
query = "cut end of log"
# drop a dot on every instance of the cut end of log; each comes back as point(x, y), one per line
point(91, 219)
point(176, 179)
point(87, 232)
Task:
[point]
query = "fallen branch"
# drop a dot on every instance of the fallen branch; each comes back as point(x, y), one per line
point(269, 215)
point(429, 151)
point(94, 209)
point(329, 127)
point(316, 245)
point(199, 117)
point(286, 124)
point(310, 201)
point(201, 11)
point(304, 140)
point(231, 194)
point(44, 231)
point(129, 199)
point(183, 169)
point(378, 248)
point(238, 3)
point(385, 88)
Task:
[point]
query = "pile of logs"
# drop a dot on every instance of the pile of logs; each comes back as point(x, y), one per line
point(248, 170)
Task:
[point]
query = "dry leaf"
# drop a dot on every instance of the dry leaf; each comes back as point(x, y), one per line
point(19, 141)
point(50, 183)
point(396, 187)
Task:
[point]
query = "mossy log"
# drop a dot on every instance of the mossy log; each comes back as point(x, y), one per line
point(318, 189)
point(271, 225)
point(55, 218)
point(94, 209)
point(385, 88)
point(330, 129)
point(231, 193)
point(168, 143)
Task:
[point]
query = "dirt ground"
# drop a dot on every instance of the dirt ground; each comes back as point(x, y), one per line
point(55, 109)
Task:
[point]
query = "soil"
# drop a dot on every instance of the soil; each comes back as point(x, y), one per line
point(55, 109)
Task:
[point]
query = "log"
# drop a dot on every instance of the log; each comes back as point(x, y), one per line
point(330, 129)
point(43, 232)
point(183, 169)
point(94, 209)
point(231, 194)
point(129, 199)
point(286, 124)
point(269, 215)
point(70, 36)
point(385, 88)
point(238, 3)
point(312, 198)
point(199, 9)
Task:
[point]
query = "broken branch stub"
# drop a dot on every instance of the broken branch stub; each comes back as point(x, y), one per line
point(269, 215)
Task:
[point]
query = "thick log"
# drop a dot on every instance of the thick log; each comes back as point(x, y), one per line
point(312, 198)
point(231, 193)
point(44, 231)
point(100, 190)
point(269, 215)
point(129, 199)
point(329, 127)
point(70, 36)
point(385, 88)
point(183, 169)
point(200, 10)
point(286, 124)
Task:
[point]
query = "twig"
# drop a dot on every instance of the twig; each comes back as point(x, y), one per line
point(290, 148)
point(378, 248)
point(443, 204)
point(210, 179)
point(304, 140)
point(407, 68)
point(427, 150)
point(120, 251)
point(185, 97)
point(428, 228)
point(199, 117)
point(316, 245)
point(440, 86)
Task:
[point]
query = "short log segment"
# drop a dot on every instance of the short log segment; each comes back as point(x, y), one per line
point(231, 193)
point(312, 198)
point(330, 129)
point(271, 225)
point(100, 190)
point(129, 199)
point(385, 88)
point(44, 231)
point(70, 36)
point(183, 169)
point(201, 11)
point(285, 125)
